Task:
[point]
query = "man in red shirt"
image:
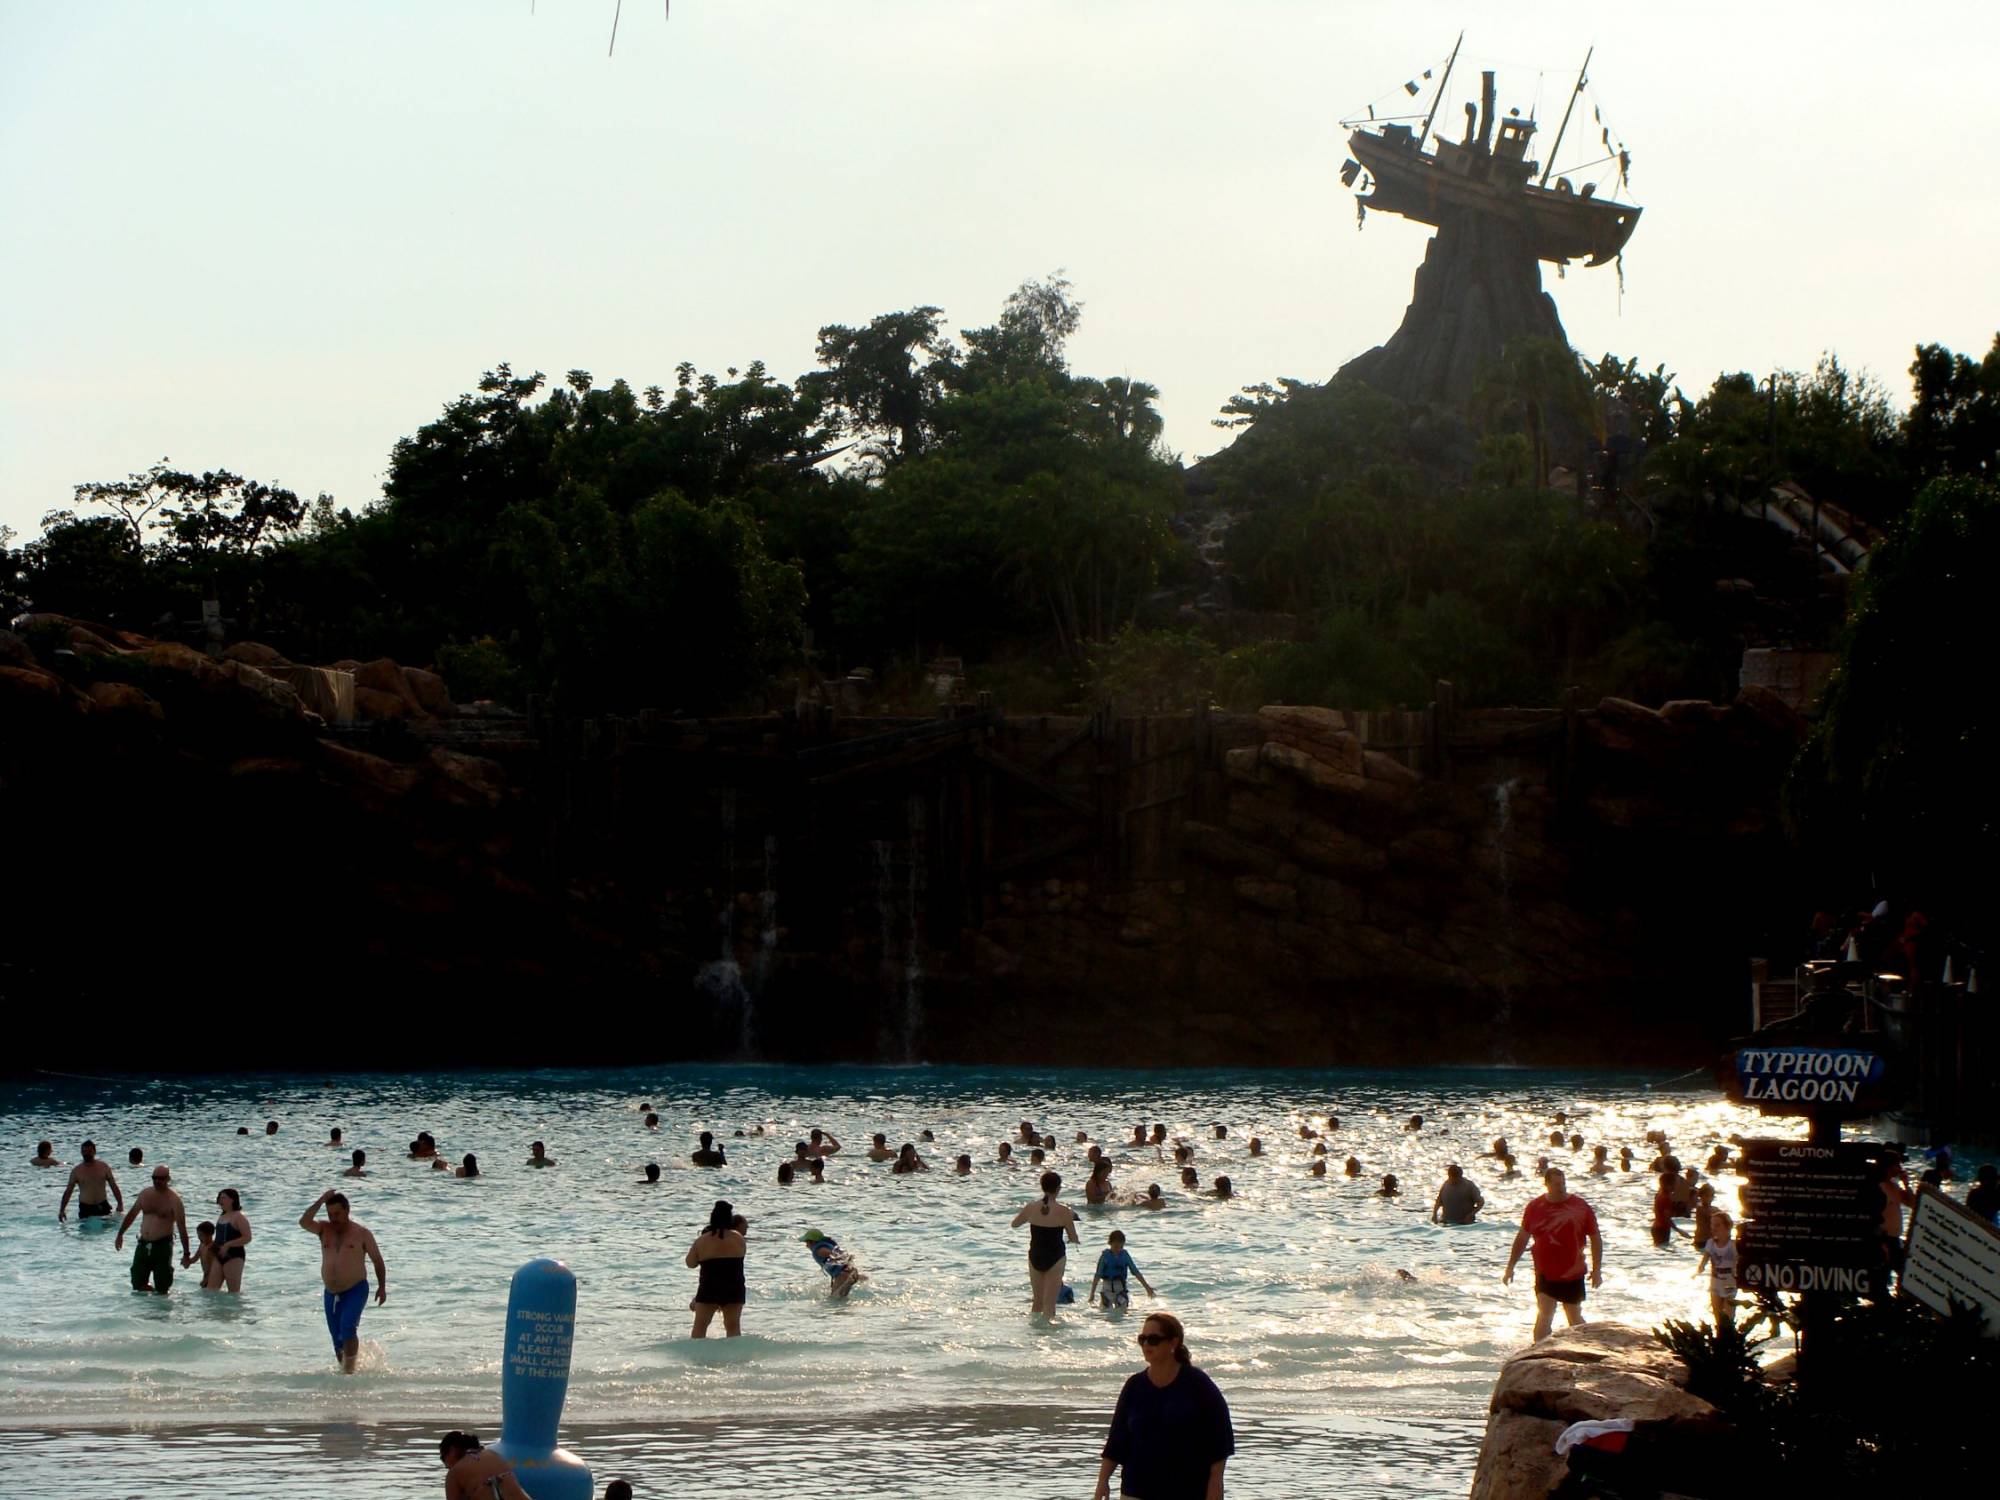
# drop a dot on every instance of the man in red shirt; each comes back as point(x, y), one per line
point(1558, 1222)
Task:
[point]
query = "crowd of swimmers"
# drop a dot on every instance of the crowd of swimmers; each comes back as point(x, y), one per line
point(1558, 1227)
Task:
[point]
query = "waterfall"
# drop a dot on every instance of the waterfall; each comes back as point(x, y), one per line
point(1503, 827)
point(912, 1018)
point(721, 979)
point(898, 904)
point(1503, 822)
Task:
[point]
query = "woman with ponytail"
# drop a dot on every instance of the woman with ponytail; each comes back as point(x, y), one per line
point(1048, 1222)
point(471, 1473)
point(717, 1254)
point(1170, 1432)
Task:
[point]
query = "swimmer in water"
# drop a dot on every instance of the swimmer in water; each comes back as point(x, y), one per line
point(1154, 1198)
point(824, 1144)
point(1600, 1161)
point(1114, 1266)
point(1256, 1146)
point(706, 1153)
point(1222, 1188)
point(652, 1175)
point(652, 1121)
point(1353, 1167)
point(333, 1138)
point(538, 1155)
point(467, 1168)
point(1499, 1148)
point(1098, 1188)
point(907, 1161)
point(1189, 1179)
point(1576, 1142)
point(963, 1166)
point(833, 1260)
point(45, 1155)
point(1388, 1189)
point(785, 1174)
point(1029, 1135)
point(1005, 1155)
point(1416, 1123)
point(1318, 1168)
point(879, 1149)
point(1036, 1157)
point(1049, 1222)
point(1221, 1132)
point(1138, 1136)
point(360, 1167)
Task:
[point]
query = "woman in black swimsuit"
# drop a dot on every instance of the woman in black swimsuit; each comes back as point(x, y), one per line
point(232, 1236)
point(717, 1254)
point(1048, 1223)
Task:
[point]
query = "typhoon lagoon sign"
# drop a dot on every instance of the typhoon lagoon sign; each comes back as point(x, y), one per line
point(1804, 1080)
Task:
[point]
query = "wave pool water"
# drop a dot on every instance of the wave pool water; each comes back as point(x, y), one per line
point(1338, 1368)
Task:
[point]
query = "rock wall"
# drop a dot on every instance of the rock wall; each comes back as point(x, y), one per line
point(1588, 902)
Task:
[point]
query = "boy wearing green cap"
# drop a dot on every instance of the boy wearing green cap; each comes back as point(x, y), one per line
point(833, 1260)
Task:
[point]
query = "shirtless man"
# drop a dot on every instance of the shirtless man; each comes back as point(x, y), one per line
point(342, 1244)
point(538, 1155)
point(879, 1148)
point(164, 1213)
point(90, 1178)
point(45, 1155)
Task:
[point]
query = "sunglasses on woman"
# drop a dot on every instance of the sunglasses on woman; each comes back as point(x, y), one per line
point(1151, 1339)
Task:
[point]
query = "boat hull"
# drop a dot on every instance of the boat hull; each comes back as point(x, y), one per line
point(1562, 226)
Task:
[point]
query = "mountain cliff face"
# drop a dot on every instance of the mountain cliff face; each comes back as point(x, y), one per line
point(1479, 289)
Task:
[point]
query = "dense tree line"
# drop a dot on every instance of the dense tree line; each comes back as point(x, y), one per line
point(687, 546)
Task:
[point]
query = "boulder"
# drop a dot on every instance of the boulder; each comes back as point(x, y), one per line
point(1587, 1374)
point(83, 639)
point(1241, 764)
point(30, 688)
point(1223, 849)
point(1691, 711)
point(430, 692)
point(383, 676)
point(371, 703)
point(1770, 713)
point(1309, 723)
point(15, 652)
point(255, 654)
point(1271, 895)
point(1375, 793)
point(123, 698)
point(1321, 733)
point(1384, 767)
point(467, 780)
point(1633, 717)
point(1320, 845)
point(270, 698)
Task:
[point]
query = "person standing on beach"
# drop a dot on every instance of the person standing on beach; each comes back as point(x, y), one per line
point(1170, 1432)
point(717, 1257)
point(1558, 1223)
point(343, 1245)
point(163, 1213)
point(1049, 1222)
point(90, 1179)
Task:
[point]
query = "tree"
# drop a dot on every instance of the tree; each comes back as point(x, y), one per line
point(882, 382)
point(1953, 425)
point(1897, 776)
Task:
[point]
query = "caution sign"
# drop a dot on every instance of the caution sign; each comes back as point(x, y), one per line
point(1952, 1256)
point(1812, 1216)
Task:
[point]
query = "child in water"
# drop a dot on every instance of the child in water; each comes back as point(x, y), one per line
point(1113, 1266)
point(211, 1267)
point(833, 1260)
point(1718, 1258)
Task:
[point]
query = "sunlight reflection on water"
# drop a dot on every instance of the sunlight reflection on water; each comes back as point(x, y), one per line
point(1290, 1292)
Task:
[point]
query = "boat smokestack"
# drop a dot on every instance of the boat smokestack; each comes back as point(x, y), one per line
point(1487, 96)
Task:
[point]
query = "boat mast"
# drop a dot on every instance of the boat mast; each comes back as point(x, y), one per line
point(1423, 134)
point(1580, 72)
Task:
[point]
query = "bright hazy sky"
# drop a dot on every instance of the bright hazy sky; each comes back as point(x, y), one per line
point(276, 236)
